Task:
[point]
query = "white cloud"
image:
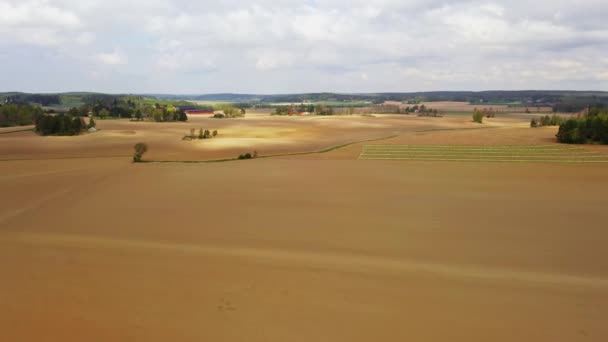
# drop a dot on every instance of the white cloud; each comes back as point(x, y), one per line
point(41, 23)
point(331, 45)
point(602, 75)
point(566, 64)
point(112, 58)
point(36, 13)
point(182, 60)
point(274, 59)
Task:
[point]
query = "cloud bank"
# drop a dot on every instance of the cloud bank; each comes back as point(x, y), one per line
point(280, 46)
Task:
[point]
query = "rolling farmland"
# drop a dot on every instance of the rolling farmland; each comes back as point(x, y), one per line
point(309, 239)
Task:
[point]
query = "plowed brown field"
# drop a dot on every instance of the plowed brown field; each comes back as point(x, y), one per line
point(312, 247)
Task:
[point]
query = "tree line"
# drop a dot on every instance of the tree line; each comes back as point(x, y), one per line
point(590, 127)
point(546, 120)
point(62, 124)
point(318, 109)
point(127, 108)
point(479, 114)
point(19, 114)
point(202, 134)
point(42, 99)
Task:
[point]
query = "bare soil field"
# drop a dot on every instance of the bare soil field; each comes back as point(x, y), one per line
point(266, 134)
point(315, 247)
point(5, 130)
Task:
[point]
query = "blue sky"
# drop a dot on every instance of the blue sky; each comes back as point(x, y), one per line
point(170, 46)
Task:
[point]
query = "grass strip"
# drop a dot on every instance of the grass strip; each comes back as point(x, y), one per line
point(494, 160)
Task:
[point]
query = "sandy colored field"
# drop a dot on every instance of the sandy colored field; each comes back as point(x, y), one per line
point(467, 107)
point(266, 134)
point(4, 130)
point(319, 247)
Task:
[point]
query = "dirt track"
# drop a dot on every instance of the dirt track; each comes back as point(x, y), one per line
point(302, 248)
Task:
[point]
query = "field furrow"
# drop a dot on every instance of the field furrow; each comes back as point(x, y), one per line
point(538, 153)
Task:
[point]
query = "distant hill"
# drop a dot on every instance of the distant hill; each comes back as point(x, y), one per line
point(523, 97)
point(229, 97)
point(560, 100)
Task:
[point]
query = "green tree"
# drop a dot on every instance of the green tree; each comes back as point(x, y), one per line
point(169, 113)
point(76, 125)
point(103, 113)
point(97, 107)
point(182, 116)
point(147, 111)
point(140, 149)
point(74, 112)
point(478, 116)
point(566, 131)
point(158, 115)
point(42, 125)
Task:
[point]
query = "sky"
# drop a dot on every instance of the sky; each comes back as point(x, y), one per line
point(281, 46)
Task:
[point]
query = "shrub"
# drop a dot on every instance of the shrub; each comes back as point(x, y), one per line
point(555, 120)
point(547, 120)
point(478, 116)
point(281, 110)
point(157, 115)
point(324, 110)
point(182, 116)
point(140, 149)
point(533, 123)
point(232, 112)
point(202, 134)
